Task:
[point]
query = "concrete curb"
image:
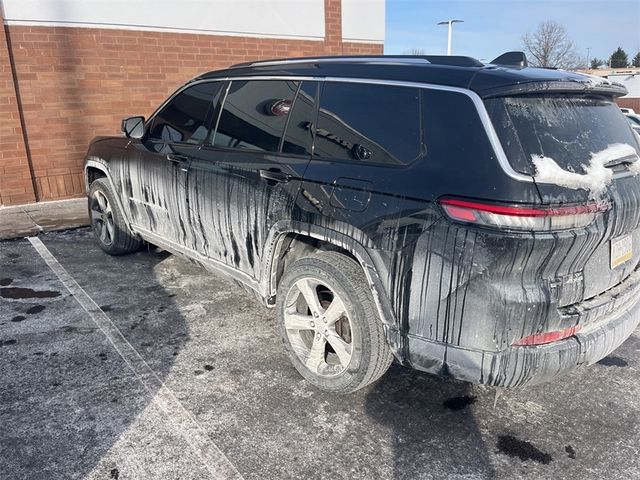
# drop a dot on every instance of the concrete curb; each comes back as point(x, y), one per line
point(28, 220)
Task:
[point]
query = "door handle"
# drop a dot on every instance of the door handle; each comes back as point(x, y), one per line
point(172, 157)
point(275, 175)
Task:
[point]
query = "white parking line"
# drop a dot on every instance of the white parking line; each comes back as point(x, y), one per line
point(212, 457)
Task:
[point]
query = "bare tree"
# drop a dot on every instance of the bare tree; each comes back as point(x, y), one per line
point(415, 51)
point(549, 46)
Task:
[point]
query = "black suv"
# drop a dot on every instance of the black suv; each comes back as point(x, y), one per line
point(475, 221)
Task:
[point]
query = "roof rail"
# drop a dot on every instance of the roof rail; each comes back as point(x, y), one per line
point(453, 60)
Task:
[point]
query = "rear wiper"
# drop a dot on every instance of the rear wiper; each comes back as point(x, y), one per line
point(628, 160)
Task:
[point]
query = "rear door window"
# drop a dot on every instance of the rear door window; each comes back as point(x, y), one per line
point(369, 123)
point(184, 118)
point(254, 114)
point(567, 129)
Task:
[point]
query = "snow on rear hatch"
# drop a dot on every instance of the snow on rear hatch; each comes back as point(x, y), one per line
point(597, 176)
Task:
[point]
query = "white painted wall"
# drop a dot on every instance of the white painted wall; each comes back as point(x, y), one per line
point(303, 19)
point(630, 81)
point(363, 21)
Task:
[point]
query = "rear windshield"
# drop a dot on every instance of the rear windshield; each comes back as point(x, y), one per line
point(566, 129)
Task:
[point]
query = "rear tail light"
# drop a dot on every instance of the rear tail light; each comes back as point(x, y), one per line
point(519, 217)
point(547, 337)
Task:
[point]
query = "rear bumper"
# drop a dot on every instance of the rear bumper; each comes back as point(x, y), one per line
point(517, 366)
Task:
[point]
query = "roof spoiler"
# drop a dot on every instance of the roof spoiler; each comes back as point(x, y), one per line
point(511, 59)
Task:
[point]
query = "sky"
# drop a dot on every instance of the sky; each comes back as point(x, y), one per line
point(492, 27)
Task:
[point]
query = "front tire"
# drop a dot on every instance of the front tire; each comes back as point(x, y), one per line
point(107, 221)
point(329, 323)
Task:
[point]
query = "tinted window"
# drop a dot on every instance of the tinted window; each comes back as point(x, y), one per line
point(254, 114)
point(454, 134)
point(564, 128)
point(298, 138)
point(369, 123)
point(183, 119)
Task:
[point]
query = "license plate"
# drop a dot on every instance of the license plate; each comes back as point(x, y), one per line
point(621, 250)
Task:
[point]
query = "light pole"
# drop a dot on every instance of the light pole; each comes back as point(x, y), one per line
point(450, 23)
point(588, 50)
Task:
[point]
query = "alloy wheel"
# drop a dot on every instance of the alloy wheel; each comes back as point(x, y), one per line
point(318, 327)
point(102, 217)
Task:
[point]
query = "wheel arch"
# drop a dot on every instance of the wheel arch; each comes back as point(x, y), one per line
point(297, 239)
point(95, 168)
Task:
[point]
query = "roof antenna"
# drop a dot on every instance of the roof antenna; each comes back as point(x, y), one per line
point(511, 59)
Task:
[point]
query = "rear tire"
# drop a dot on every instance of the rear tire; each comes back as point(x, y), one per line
point(329, 323)
point(107, 221)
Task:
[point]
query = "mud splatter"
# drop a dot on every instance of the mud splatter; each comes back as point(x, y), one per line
point(571, 453)
point(236, 252)
point(458, 403)
point(16, 293)
point(18, 318)
point(613, 362)
point(249, 247)
point(35, 309)
point(5, 281)
point(514, 447)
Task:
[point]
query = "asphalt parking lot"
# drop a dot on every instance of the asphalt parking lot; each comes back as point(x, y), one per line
point(148, 367)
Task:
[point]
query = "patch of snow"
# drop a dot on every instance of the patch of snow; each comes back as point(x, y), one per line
point(596, 178)
point(595, 80)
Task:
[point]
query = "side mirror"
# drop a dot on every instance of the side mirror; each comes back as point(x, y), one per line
point(133, 127)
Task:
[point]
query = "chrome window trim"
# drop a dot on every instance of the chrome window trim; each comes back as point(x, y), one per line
point(496, 145)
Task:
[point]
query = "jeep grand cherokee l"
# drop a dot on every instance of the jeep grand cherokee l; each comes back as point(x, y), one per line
point(475, 221)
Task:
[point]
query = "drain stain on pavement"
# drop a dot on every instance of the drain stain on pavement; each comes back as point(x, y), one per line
point(514, 447)
point(458, 403)
point(16, 293)
point(35, 309)
point(613, 362)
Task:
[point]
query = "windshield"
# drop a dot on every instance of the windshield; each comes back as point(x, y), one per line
point(567, 129)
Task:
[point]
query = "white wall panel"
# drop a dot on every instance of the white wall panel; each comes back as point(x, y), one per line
point(271, 18)
point(632, 82)
point(363, 20)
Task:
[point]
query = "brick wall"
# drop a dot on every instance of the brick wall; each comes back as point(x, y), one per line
point(16, 185)
point(629, 103)
point(76, 83)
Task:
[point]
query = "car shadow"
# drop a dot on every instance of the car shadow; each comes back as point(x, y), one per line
point(67, 397)
point(432, 423)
